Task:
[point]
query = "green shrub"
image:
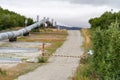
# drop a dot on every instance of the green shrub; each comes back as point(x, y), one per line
point(106, 57)
point(2, 72)
point(42, 59)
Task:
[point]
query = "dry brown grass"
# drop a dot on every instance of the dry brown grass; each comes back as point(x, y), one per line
point(18, 70)
point(87, 38)
point(81, 70)
point(45, 36)
point(86, 43)
point(56, 38)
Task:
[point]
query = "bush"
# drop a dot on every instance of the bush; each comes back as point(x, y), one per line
point(106, 57)
point(42, 59)
point(2, 72)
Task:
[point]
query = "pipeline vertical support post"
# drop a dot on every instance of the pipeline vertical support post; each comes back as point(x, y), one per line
point(26, 22)
point(26, 34)
point(13, 39)
point(37, 18)
point(52, 23)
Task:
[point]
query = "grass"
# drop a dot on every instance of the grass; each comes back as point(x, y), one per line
point(82, 73)
point(42, 59)
point(84, 69)
point(2, 72)
point(55, 37)
point(18, 70)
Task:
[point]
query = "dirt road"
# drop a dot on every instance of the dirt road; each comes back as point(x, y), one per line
point(60, 68)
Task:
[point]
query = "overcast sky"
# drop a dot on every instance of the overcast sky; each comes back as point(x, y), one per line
point(68, 12)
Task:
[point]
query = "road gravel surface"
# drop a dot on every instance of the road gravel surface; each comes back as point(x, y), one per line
point(60, 68)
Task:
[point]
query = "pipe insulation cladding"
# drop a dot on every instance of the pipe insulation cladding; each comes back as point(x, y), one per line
point(21, 32)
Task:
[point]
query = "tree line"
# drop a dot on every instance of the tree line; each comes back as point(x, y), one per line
point(105, 20)
point(10, 19)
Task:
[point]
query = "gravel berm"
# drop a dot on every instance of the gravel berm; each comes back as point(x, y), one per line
point(60, 68)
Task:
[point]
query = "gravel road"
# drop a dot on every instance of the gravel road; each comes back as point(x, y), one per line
point(60, 68)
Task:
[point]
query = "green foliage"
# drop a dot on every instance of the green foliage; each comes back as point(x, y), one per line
point(86, 70)
point(30, 21)
point(104, 20)
point(2, 72)
point(106, 57)
point(10, 19)
point(42, 59)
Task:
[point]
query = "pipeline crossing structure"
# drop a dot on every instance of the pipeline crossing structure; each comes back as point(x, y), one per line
point(12, 35)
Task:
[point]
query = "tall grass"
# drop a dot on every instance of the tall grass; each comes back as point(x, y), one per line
point(84, 70)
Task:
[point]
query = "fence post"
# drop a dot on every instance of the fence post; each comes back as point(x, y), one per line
point(43, 46)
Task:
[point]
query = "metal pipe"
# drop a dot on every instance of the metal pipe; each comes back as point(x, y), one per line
point(21, 32)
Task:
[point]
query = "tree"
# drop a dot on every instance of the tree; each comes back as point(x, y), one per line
point(10, 19)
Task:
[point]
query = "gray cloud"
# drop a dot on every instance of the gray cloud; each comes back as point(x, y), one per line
point(112, 3)
point(71, 12)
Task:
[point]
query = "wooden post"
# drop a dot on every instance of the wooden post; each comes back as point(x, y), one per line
point(43, 45)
